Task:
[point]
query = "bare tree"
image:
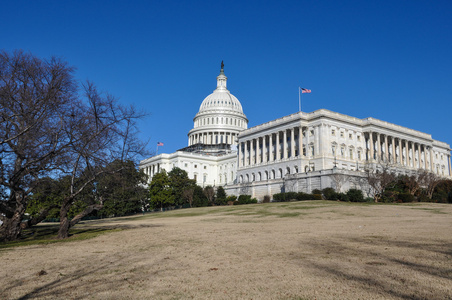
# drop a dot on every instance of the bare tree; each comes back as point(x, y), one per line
point(188, 195)
point(339, 180)
point(429, 181)
point(46, 129)
point(34, 98)
point(209, 192)
point(100, 132)
point(379, 177)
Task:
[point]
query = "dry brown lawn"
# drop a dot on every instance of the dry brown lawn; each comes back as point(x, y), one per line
point(300, 250)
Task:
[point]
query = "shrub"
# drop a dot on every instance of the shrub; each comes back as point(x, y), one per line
point(317, 197)
point(303, 196)
point(231, 198)
point(329, 193)
point(369, 199)
point(266, 199)
point(280, 197)
point(246, 199)
point(316, 191)
point(291, 196)
point(355, 195)
point(405, 197)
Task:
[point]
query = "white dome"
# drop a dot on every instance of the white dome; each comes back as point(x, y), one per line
point(220, 117)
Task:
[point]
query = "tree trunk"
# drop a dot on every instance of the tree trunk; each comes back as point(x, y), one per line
point(10, 229)
point(63, 232)
point(42, 216)
point(66, 224)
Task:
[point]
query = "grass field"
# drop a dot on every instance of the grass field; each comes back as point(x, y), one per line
point(296, 250)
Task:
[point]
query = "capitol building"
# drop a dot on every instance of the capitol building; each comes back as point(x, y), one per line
point(299, 152)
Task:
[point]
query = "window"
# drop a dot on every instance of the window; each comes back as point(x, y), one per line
point(196, 166)
point(204, 179)
point(195, 177)
point(350, 136)
point(342, 134)
point(205, 167)
point(186, 165)
point(333, 132)
point(358, 138)
point(359, 155)
point(351, 153)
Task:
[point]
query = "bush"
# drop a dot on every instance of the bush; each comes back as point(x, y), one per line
point(369, 199)
point(280, 197)
point(406, 197)
point(355, 195)
point(245, 199)
point(316, 191)
point(266, 199)
point(329, 194)
point(317, 197)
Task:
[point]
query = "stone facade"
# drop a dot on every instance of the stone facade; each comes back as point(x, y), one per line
point(306, 151)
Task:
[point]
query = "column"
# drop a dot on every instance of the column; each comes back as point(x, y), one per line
point(317, 140)
point(292, 142)
point(284, 152)
point(407, 153)
point(431, 159)
point(239, 154)
point(300, 141)
point(379, 147)
point(264, 149)
point(419, 155)
point(308, 139)
point(450, 167)
point(425, 158)
point(386, 148)
point(371, 139)
point(278, 146)
point(252, 152)
point(393, 150)
point(270, 145)
point(400, 152)
point(245, 154)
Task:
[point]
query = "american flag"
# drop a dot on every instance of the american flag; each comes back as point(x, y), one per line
point(159, 144)
point(303, 90)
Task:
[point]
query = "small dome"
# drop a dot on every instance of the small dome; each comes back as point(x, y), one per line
point(221, 100)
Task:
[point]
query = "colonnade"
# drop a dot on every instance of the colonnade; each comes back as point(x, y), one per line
point(151, 170)
point(212, 138)
point(382, 147)
point(280, 145)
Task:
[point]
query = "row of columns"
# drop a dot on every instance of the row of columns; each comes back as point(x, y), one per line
point(151, 170)
point(212, 138)
point(397, 150)
point(284, 144)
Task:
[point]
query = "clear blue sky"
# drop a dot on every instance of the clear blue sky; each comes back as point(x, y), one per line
point(390, 60)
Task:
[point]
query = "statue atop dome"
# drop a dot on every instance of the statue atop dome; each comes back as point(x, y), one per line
point(222, 65)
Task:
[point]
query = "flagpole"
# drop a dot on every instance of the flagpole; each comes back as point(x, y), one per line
point(299, 98)
point(157, 151)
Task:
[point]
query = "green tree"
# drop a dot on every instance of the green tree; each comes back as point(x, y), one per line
point(160, 191)
point(180, 182)
point(121, 192)
point(199, 199)
point(221, 196)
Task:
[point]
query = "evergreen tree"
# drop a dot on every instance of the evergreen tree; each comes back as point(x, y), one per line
point(160, 191)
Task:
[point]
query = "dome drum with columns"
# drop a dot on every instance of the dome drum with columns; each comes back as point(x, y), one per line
point(219, 120)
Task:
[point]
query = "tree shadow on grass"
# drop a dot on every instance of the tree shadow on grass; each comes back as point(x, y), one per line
point(416, 270)
point(86, 282)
